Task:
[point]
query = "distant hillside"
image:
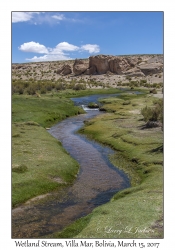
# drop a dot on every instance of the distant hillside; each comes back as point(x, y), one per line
point(109, 69)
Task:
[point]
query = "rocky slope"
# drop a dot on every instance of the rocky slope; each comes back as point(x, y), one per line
point(101, 68)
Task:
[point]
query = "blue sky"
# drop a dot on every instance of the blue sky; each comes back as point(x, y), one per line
point(50, 36)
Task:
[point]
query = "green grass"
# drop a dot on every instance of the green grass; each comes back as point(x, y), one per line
point(45, 110)
point(37, 158)
point(136, 212)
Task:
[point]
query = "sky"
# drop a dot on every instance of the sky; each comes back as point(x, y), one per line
point(52, 36)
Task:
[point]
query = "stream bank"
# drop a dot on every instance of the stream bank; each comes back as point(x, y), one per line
point(98, 180)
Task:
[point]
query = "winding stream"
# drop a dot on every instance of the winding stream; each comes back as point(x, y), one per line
point(98, 180)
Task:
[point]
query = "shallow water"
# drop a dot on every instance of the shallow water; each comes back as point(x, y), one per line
point(98, 180)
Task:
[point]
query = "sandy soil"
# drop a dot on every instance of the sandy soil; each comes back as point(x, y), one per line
point(47, 71)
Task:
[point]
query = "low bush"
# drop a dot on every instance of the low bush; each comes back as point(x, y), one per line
point(19, 169)
point(126, 102)
point(79, 86)
point(143, 81)
point(155, 113)
point(153, 91)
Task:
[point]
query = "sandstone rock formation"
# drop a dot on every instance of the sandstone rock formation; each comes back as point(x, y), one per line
point(64, 70)
point(80, 67)
point(118, 65)
point(136, 66)
point(134, 72)
point(100, 62)
point(91, 71)
point(152, 68)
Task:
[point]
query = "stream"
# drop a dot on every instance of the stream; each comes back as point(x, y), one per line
point(97, 181)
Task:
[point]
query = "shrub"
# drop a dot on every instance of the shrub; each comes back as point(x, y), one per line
point(60, 86)
point(143, 81)
point(93, 105)
point(128, 78)
point(79, 86)
point(147, 113)
point(31, 90)
point(126, 102)
point(49, 87)
point(20, 169)
point(153, 91)
point(155, 113)
point(20, 90)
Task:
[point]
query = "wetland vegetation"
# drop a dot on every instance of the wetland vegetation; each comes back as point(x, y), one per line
point(40, 164)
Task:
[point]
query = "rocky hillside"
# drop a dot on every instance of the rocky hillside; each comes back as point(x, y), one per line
point(101, 67)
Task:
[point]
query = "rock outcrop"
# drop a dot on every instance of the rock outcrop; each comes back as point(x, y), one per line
point(118, 65)
point(134, 72)
point(121, 65)
point(80, 67)
point(64, 70)
point(91, 71)
point(100, 63)
point(152, 68)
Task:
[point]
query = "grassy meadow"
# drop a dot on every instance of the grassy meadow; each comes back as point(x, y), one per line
point(39, 163)
point(136, 212)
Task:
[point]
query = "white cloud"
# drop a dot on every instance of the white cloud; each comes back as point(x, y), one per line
point(21, 16)
point(49, 57)
point(91, 48)
point(33, 47)
point(41, 17)
point(64, 46)
point(58, 17)
point(60, 52)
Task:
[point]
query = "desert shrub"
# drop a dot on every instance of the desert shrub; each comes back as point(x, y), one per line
point(147, 85)
point(153, 91)
point(155, 113)
point(21, 90)
point(20, 169)
point(31, 90)
point(60, 86)
point(126, 102)
point(49, 87)
point(147, 113)
point(128, 78)
point(79, 86)
point(125, 84)
point(143, 81)
point(135, 83)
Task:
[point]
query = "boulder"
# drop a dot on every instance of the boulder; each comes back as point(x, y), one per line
point(93, 105)
point(118, 65)
point(80, 67)
point(100, 62)
point(64, 70)
point(132, 61)
point(151, 68)
point(114, 64)
point(91, 71)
